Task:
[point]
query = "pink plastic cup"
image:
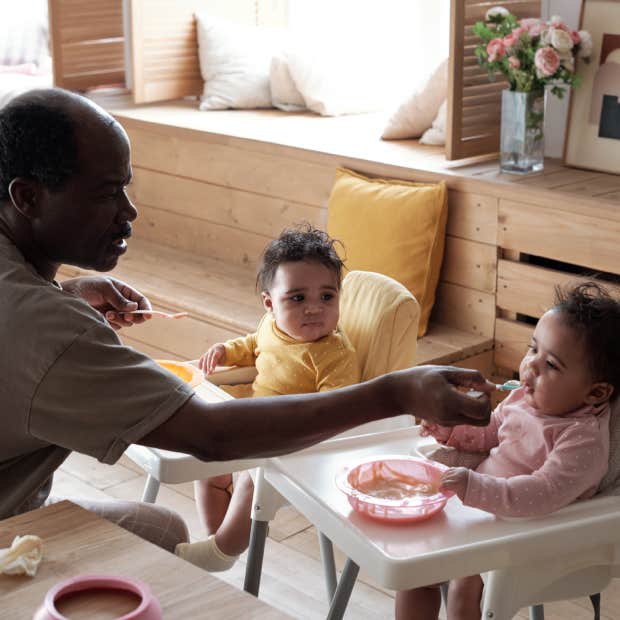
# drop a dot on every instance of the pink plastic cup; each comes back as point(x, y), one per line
point(148, 609)
point(351, 481)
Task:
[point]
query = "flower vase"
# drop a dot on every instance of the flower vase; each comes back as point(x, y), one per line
point(522, 143)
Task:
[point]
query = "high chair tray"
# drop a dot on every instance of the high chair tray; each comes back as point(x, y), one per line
point(460, 541)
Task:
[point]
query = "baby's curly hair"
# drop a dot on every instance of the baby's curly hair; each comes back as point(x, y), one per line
point(594, 314)
point(302, 242)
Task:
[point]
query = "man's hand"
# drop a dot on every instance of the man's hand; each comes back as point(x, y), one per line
point(111, 297)
point(455, 479)
point(430, 393)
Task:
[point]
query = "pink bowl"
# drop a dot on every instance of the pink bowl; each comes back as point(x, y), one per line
point(148, 609)
point(402, 471)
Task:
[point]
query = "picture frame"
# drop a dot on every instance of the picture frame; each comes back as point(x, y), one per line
point(593, 126)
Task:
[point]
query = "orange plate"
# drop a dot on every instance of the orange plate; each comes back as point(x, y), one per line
point(189, 373)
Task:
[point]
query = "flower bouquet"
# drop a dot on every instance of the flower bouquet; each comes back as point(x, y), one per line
point(531, 53)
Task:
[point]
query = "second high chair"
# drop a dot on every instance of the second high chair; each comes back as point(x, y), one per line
point(380, 317)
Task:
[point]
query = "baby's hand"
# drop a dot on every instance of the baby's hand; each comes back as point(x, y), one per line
point(212, 358)
point(440, 433)
point(455, 479)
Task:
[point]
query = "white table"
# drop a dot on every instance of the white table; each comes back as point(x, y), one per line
point(528, 557)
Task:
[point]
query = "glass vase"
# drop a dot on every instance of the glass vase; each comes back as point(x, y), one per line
point(522, 143)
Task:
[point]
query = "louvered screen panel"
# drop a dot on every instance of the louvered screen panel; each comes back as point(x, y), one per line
point(87, 43)
point(474, 103)
point(163, 46)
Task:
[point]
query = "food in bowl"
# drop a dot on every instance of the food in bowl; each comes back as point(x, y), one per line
point(184, 370)
point(394, 488)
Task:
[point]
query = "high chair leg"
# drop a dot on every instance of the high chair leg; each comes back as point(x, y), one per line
point(537, 612)
point(329, 565)
point(151, 489)
point(256, 552)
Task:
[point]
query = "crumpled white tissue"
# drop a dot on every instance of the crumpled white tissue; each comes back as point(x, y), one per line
point(22, 557)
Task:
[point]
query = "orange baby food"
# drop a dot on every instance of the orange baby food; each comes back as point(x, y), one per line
point(385, 482)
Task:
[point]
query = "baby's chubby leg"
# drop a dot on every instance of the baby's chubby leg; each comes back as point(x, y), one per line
point(212, 500)
point(220, 550)
point(464, 597)
point(418, 604)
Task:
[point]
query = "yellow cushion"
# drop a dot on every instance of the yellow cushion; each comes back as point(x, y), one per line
point(393, 227)
point(380, 317)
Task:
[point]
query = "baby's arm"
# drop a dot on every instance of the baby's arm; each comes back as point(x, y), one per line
point(467, 438)
point(237, 352)
point(575, 466)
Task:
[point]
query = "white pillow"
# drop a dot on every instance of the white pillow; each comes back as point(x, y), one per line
point(436, 135)
point(24, 35)
point(234, 63)
point(332, 81)
point(416, 114)
point(284, 93)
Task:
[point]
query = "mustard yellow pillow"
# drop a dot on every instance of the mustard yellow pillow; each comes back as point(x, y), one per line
point(392, 227)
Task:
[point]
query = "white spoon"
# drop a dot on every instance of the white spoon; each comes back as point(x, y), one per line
point(165, 315)
point(511, 384)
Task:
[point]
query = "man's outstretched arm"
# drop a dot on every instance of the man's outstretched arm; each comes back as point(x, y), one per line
point(259, 427)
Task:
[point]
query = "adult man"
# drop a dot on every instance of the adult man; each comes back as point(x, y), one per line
point(69, 384)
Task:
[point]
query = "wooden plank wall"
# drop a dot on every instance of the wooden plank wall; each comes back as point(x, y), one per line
point(87, 43)
point(474, 103)
point(200, 193)
point(526, 284)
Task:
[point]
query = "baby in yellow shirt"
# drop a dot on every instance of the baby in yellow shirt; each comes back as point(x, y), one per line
point(297, 348)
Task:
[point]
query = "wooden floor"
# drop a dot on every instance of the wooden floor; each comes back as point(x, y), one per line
point(292, 578)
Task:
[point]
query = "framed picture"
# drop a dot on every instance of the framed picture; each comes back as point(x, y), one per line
point(593, 131)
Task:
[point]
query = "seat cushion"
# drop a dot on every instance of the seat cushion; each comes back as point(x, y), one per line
point(380, 317)
point(392, 227)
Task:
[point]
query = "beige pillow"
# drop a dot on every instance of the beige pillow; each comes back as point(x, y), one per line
point(416, 114)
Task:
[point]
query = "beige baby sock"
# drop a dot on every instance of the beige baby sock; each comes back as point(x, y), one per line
point(206, 554)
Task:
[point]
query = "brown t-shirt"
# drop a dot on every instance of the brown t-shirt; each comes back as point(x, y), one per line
point(66, 383)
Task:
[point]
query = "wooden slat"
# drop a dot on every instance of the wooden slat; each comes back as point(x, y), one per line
point(464, 309)
point(248, 170)
point(569, 237)
point(200, 237)
point(472, 216)
point(530, 290)
point(467, 81)
point(87, 43)
point(227, 206)
point(511, 342)
point(470, 264)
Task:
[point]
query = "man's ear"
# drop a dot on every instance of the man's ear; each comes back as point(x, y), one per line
point(599, 392)
point(24, 194)
point(267, 303)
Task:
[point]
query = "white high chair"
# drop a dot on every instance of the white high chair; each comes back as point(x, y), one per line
point(380, 317)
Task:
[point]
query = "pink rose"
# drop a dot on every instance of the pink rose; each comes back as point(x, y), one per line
point(557, 22)
point(517, 32)
point(533, 26)
point(547, 61)
point(510, 40)
point(495, 49)
point(514, 62)
point(575, 36)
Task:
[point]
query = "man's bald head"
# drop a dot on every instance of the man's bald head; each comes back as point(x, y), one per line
point(40, 136)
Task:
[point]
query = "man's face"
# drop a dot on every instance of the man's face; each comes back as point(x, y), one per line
point(87, 221)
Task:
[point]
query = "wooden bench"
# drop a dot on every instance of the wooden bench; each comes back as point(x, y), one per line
point(213, 188)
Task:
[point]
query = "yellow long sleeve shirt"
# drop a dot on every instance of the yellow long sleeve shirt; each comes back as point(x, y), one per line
point(286, 366)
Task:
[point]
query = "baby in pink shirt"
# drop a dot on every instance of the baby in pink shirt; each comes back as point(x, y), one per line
point(547, 444)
